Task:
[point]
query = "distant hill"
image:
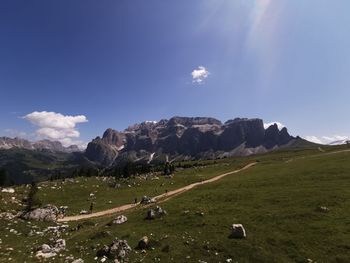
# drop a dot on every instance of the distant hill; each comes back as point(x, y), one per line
point(53, 146)
point(184, 138)
point(24, 166)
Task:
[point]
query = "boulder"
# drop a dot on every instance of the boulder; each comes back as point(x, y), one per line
point(323, 209)
point(60, 244)
point(47, 251)
point(79, 260)
point(47, 213)
point(42, 255)
point(238, 231)
point(120, 220)
point(119, 249)
point(143, 243)
point(150, 214)
point(146, 200)
point(156, 212)
point(45, 248)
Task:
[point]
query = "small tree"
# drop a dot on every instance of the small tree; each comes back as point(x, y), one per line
point(168, 168)
point(32, 200)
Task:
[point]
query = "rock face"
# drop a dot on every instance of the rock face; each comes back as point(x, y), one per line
point(43, 145)
point(187, 138)
point(48, 213)
point(238, 231)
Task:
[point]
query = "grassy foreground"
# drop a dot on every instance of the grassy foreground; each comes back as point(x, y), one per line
point(276, 201)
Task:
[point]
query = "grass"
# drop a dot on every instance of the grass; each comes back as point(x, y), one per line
point(276, 201)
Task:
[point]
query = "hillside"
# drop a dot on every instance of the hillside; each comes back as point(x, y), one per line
point(24, 166)
point(279, 202)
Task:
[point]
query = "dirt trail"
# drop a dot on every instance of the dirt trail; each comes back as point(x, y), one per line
point(160, 198)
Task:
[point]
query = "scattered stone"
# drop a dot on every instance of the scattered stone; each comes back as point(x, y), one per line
point(238, 231)
point(120, 220)
point(47, 213)
point(83, 212)
point(143, 243)
point(157, 212)
point(200, 213)
point(42, 255)
point(8, 216)
point(323, 209)
point(79, 260)
point(8, 190)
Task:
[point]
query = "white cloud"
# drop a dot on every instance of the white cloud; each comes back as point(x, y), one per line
point(279, 125)
point(199, 75)
point(327, 139)
point(56, 126)
point(313, 139)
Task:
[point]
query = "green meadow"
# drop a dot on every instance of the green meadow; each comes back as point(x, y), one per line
point(277, 201)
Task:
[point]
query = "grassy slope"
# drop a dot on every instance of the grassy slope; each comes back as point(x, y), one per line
point(76, 194)
point(276, 201)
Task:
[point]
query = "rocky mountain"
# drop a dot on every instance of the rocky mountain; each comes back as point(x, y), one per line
point(53, 146)
point(184, 138)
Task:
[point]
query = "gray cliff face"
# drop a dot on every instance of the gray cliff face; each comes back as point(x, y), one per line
point(198, 137)
point(53, 146)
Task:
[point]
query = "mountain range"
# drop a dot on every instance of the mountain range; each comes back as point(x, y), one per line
point(156, 142)
point(185, 138)
point(53, 146)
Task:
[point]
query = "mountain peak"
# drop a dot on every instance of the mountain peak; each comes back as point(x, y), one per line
point(185, 137)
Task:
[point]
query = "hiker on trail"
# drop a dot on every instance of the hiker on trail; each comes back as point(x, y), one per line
point(91, 207)
point(166, 191)
point(135, 200)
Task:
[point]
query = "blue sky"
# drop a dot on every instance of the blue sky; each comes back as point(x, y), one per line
point(71, 69)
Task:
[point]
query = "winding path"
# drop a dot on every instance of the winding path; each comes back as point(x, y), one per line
point(160, 198)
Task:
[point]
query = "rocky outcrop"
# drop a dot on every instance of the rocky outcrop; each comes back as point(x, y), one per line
point(47, 213)
point(198, 137)
point(47, 251)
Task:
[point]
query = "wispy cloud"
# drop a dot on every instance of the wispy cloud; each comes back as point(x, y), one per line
point(199, 74)
point(56, 126)
point(327, 139)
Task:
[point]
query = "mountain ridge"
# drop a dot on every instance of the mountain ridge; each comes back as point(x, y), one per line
point(186, 138)
point(54, 146)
